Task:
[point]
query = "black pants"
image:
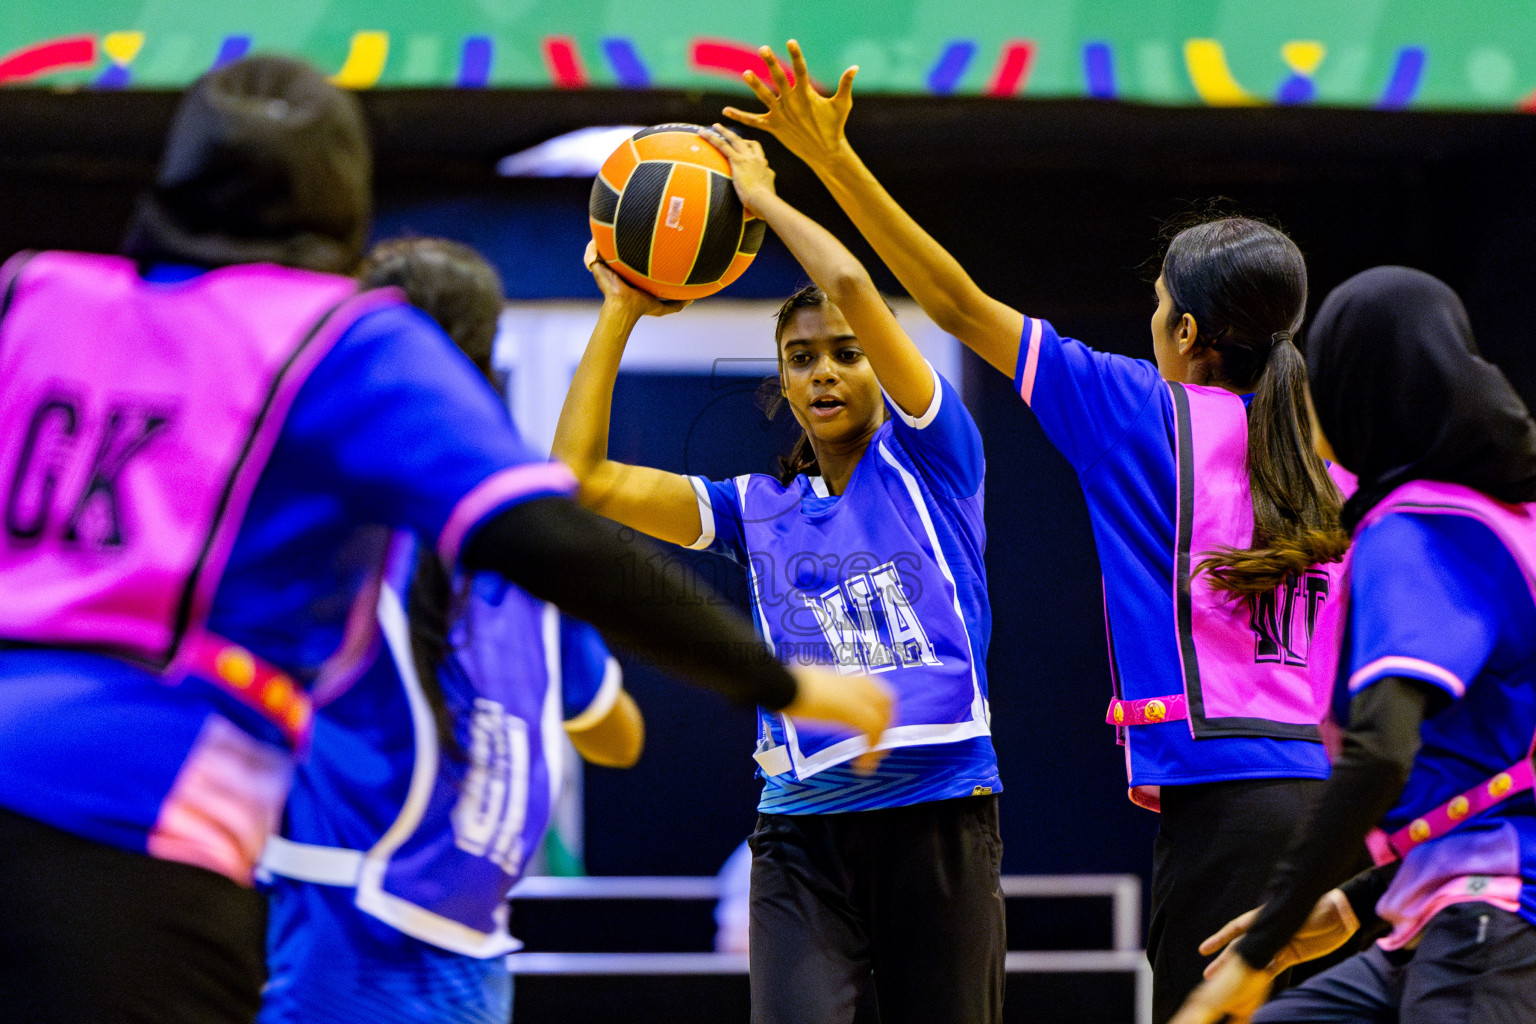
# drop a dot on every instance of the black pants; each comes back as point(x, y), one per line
point(1217, 843)
point(1474, 964)
point(905, 899)
point(91, 934)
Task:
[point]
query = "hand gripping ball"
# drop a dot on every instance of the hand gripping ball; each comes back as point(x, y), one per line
point(666, 217)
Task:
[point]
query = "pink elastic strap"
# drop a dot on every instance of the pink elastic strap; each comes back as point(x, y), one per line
point(1379, 844)
point(1150, 711)
point(496, 490)
point(250, 679)
point(1517, 778)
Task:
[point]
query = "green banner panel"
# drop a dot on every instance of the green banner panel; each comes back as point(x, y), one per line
point(1387, 54)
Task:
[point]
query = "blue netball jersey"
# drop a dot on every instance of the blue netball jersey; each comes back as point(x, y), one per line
point(1113, 419)
point(888, 579)
point(394, 426)
point(1439, 598)
point(422, 939)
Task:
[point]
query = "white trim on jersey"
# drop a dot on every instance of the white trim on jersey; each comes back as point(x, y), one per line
point(607, 697)
point(552, 724)
point(979, 724)
point(919, 422)
point(979, 708)
point(365, 871)
point(819, 486)
point(773, 760)
point(370, 896)
point(397, 635)
point(309, 862)
point(706, 515)
point(757, 603)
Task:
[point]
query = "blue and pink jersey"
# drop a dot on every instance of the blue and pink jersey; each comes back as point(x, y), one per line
point(1441, 587)
point(1205, 689)
point(886, 578)
point(182, 765)
point(388, 884)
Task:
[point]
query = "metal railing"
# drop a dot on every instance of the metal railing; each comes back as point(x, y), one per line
point(1123, 892)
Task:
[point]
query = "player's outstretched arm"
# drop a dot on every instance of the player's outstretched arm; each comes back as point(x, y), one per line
point(811, 126)
point(652, 501)
point(897, 363)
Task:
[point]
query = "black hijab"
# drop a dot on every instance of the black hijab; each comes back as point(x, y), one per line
point(266, 162)
point(1402, 394)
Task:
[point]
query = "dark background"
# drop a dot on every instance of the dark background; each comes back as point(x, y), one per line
point(1054, 207)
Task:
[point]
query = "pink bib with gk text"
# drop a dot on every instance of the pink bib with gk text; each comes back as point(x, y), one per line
point(135, 418)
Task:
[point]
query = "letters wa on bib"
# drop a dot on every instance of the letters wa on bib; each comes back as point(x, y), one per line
point(887, 578)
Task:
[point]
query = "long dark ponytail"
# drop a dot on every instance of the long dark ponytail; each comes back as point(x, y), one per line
point(461, 291)
point(1245, 284)
point(802, 457)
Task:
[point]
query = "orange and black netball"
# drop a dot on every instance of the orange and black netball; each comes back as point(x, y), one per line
point(667, 219)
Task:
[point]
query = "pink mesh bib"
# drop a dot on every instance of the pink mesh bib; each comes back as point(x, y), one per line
point(1245, 668)
point(135, 418)
point(1515, 526)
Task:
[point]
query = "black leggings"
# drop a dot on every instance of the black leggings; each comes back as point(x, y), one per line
point(899, 906)
point(92, 934)
point(1217, 846)
point(1215, 854)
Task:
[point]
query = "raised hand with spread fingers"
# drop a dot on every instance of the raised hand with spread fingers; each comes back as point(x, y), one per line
point(809, 124)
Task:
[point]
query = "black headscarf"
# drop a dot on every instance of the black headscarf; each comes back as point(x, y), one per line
point(266, 162)
point(1402, 394)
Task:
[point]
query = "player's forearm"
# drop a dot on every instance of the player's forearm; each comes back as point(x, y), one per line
point(1365, 890)
point(581, 436)
point(924, 267)
point(589, 567)
point(836, 271)
point(897, 363)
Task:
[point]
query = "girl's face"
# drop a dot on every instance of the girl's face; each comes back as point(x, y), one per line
point(827, 379)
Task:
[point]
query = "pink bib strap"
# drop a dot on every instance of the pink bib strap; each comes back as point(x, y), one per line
point(248, 678)
point(1150, 711)
point(1380, 846)
point(1385, 848)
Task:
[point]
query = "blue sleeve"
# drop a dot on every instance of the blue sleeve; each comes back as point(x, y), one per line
point(590, 678)
point(943, 441)
point(720, 517)
point(1085, 401)
point(1431, 598)
point(405, 427)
